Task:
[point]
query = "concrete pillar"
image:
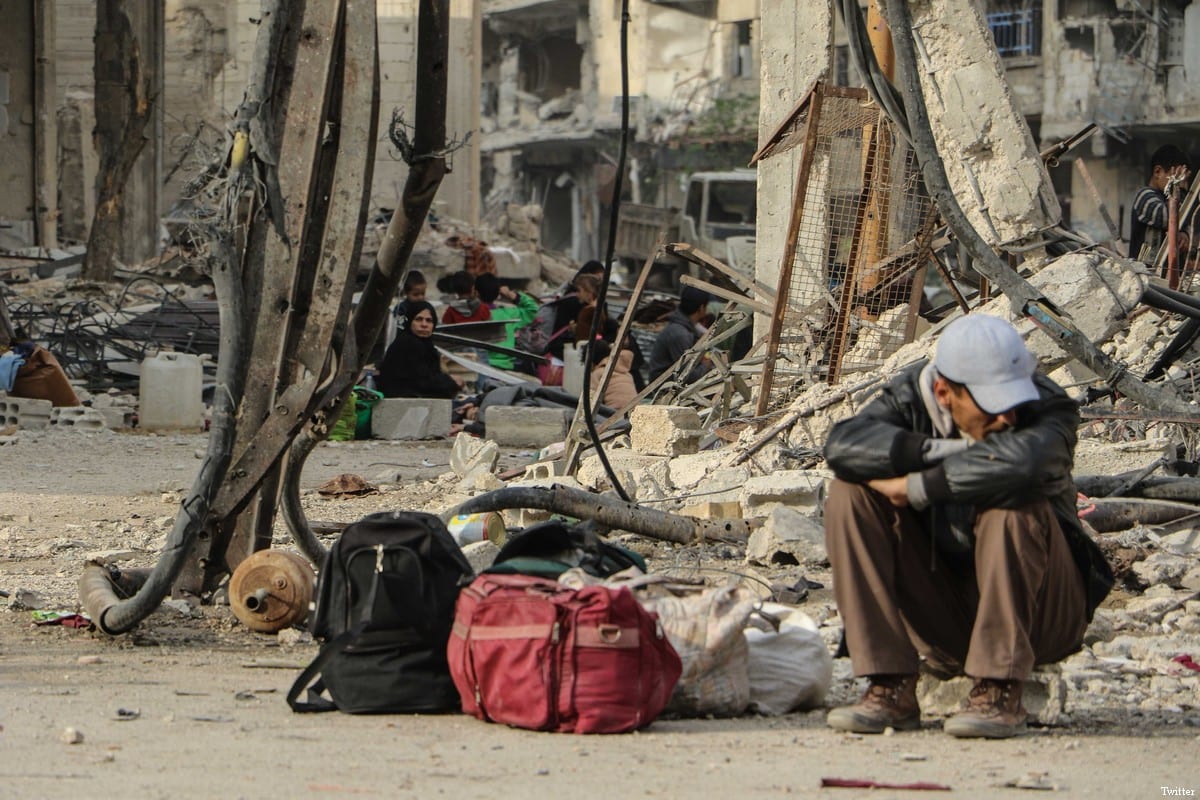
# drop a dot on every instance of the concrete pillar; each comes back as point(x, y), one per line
point(797, 47)
point(142, 197)
point(984, 142)
point(460, 189)
point(17, 173)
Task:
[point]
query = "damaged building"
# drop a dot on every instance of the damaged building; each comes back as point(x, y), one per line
point(551, 104)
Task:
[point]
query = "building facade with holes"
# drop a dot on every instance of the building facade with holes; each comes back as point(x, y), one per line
point(551, 104)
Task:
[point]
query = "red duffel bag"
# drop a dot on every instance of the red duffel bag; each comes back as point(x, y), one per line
point(530, 653)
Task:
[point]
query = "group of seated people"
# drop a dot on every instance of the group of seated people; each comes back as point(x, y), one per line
point(411, 365)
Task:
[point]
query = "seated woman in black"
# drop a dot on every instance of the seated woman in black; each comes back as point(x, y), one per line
point(411, 367)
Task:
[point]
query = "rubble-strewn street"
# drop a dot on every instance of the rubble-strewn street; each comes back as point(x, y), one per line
point(205, 695)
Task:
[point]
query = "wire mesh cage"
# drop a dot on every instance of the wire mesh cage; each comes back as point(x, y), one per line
point(853, 269)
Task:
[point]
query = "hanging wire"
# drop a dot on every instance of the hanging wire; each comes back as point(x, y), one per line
point(614, 211)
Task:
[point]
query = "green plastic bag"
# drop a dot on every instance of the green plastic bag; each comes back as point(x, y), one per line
point(365, 400)
point(344, 429)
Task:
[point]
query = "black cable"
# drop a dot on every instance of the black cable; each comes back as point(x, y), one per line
point(1182, 341)
point(1155, 299)
point(601, 308)
point(885, 95)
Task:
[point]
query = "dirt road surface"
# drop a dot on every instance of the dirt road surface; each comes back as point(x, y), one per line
point(193, 707)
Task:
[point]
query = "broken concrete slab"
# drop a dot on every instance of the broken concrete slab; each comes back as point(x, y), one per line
point(526, 426)
point(788, 537)
point(1096, 457)
point(401, 418)
point(801, 489)
point(1163, 569)
point(985, 143)
point(644, 477)
point(688, 470)
point(470, 455)
point(665, 430)
point(713, 510)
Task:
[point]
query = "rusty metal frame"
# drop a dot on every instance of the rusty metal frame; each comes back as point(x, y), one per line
point(789, 253)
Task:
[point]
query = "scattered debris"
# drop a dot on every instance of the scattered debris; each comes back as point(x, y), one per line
point(347, 485)
point(71, 736)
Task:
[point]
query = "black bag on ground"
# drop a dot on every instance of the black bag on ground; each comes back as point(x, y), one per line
point(385, 605)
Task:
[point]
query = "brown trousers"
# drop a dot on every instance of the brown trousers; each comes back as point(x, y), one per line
point(1023, 605)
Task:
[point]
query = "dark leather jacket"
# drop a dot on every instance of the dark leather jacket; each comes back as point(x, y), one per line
point(1009, 469)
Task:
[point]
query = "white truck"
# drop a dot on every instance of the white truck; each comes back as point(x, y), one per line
point(718, 217)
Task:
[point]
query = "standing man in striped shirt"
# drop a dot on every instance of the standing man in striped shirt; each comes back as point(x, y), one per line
point(1148, 214)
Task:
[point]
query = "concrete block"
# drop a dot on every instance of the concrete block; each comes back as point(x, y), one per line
point(410, 418)
point(25, 412)
point(665, 430)
point(544, 469)
point(78, 418)
point(115, 417)
point(711, 510)
point(526, 426)
point(799, 488)
point(787, 538)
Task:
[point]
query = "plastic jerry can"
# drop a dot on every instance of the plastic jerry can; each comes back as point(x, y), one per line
point(169, 396)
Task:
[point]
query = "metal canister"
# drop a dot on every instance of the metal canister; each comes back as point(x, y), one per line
point(470, 528)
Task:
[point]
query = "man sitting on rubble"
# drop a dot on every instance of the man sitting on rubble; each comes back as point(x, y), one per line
point(680, 334)
point(953, 536)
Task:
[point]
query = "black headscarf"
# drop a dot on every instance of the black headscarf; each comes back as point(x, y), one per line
point(407, 309)
point(411, 367)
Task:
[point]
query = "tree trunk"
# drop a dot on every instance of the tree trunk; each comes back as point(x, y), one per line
point(122, 114)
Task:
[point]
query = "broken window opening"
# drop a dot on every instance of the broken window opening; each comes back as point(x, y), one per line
point(1017, 32)
point(743, 50)
point(551, 67)
point(1081, 37)
point(1083, 9)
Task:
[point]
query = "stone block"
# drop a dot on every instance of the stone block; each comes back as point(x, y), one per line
point(481, 555)
point(1044, 695)
point(1163, 569)
point(78, 418)
point(799, 488)
point(644, 477)
point(688, 470)
point(787, 538)
point(470, 455)
point(410, 418)
point(27, 413)
point(665, 430)
point(526, 426)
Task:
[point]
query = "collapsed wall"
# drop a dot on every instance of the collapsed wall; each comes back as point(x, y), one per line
point(985, 144)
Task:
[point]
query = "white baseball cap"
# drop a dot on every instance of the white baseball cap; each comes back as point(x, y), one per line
point(988, 356)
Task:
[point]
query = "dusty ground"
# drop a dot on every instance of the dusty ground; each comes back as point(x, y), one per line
point(204, 698)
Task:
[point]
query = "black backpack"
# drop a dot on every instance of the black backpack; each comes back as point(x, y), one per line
point(384, 609)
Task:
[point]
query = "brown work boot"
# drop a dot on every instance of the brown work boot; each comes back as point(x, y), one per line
point(992, 711)
point(889, 702)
